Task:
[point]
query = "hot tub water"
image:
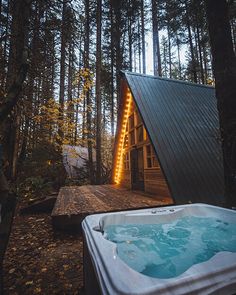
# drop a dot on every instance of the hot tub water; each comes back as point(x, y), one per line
point(182, 250)
point(166, 250)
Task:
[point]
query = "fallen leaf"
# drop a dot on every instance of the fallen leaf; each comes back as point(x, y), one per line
point(37, 290)
point(38, 220)
point(12, 270)
point(28, 283)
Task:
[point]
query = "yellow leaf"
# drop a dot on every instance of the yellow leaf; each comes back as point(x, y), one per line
point(37, 290)
point(28, 283)
point(66, 266)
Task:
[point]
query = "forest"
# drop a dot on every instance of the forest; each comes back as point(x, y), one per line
point(61, 63)
point(60, 75)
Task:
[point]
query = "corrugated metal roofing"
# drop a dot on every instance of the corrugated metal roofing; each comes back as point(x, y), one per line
point(182, 121)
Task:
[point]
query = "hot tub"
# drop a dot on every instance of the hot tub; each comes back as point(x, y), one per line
point(107, 272)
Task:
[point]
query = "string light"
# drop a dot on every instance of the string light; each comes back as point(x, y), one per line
point(119, 162)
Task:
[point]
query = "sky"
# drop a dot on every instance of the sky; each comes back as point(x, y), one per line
point(149, 51)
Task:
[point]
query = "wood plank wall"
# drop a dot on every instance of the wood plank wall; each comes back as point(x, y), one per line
point(155, 182)
point(154, 179)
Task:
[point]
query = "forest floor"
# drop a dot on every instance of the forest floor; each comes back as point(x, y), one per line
point(38, 261)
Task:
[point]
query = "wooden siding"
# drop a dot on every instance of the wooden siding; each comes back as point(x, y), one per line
point(125, 179)
point(155, 182)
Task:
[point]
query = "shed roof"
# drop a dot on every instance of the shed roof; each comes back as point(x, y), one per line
point(181, 119)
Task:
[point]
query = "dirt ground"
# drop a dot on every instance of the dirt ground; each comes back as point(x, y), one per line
point(37, 261)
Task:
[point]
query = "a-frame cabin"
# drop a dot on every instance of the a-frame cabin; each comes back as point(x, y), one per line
point(167, 141)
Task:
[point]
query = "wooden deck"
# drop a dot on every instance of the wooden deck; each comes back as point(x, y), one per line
point(75, 202)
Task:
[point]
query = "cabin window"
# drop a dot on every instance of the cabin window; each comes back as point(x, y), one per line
point(131, 122)
point(151, 157)
point(132, 137)
point(126, 161)
point(140, 133)
point(138, 119)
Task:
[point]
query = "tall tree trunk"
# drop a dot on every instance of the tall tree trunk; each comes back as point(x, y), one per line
point(233, 32)
point(205, 57)
point(88, 98)
point(200, 55)
point(156, 43)
point(130, 40)
point(194, 69)
point(84, 119)
point(62, 70)
point(143, 37)
point(29, 91)
point(224, 67)
point(139, 48)
point(116, 6)
point(112, 74)
point(98, 92)
point(17, 69)
point(25, 132)
point(165, 68)
point(0, 12)
point(169, 49)
point(53, 66)
point(16, 142)
point(70, 92)
point(179, 59)
point(5, 57)
point(2, 58)
point(76, 123)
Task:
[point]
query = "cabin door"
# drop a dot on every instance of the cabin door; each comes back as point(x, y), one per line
point(137, 169)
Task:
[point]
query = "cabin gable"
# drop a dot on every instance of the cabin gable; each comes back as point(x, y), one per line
point(136, 164)
point(182, 126)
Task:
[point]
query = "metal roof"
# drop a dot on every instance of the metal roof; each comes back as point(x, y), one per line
point(181, 119)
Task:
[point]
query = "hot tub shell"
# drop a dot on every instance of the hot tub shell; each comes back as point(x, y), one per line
point(106, 273)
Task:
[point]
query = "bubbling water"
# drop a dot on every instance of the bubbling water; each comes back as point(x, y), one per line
point(167, 250)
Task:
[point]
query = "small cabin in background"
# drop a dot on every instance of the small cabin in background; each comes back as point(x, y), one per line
point(74, 159)
point(168, 141)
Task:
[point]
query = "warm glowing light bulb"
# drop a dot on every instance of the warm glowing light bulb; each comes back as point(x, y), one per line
point(122, 139)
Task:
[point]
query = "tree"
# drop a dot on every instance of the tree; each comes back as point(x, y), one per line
point(17, 63)
point(143, 36)
point(88, 98)
point(224, 67)
point(156, 43)
point(190, 40)
point(63, 61)
point(116, 7)
point(98, 92)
